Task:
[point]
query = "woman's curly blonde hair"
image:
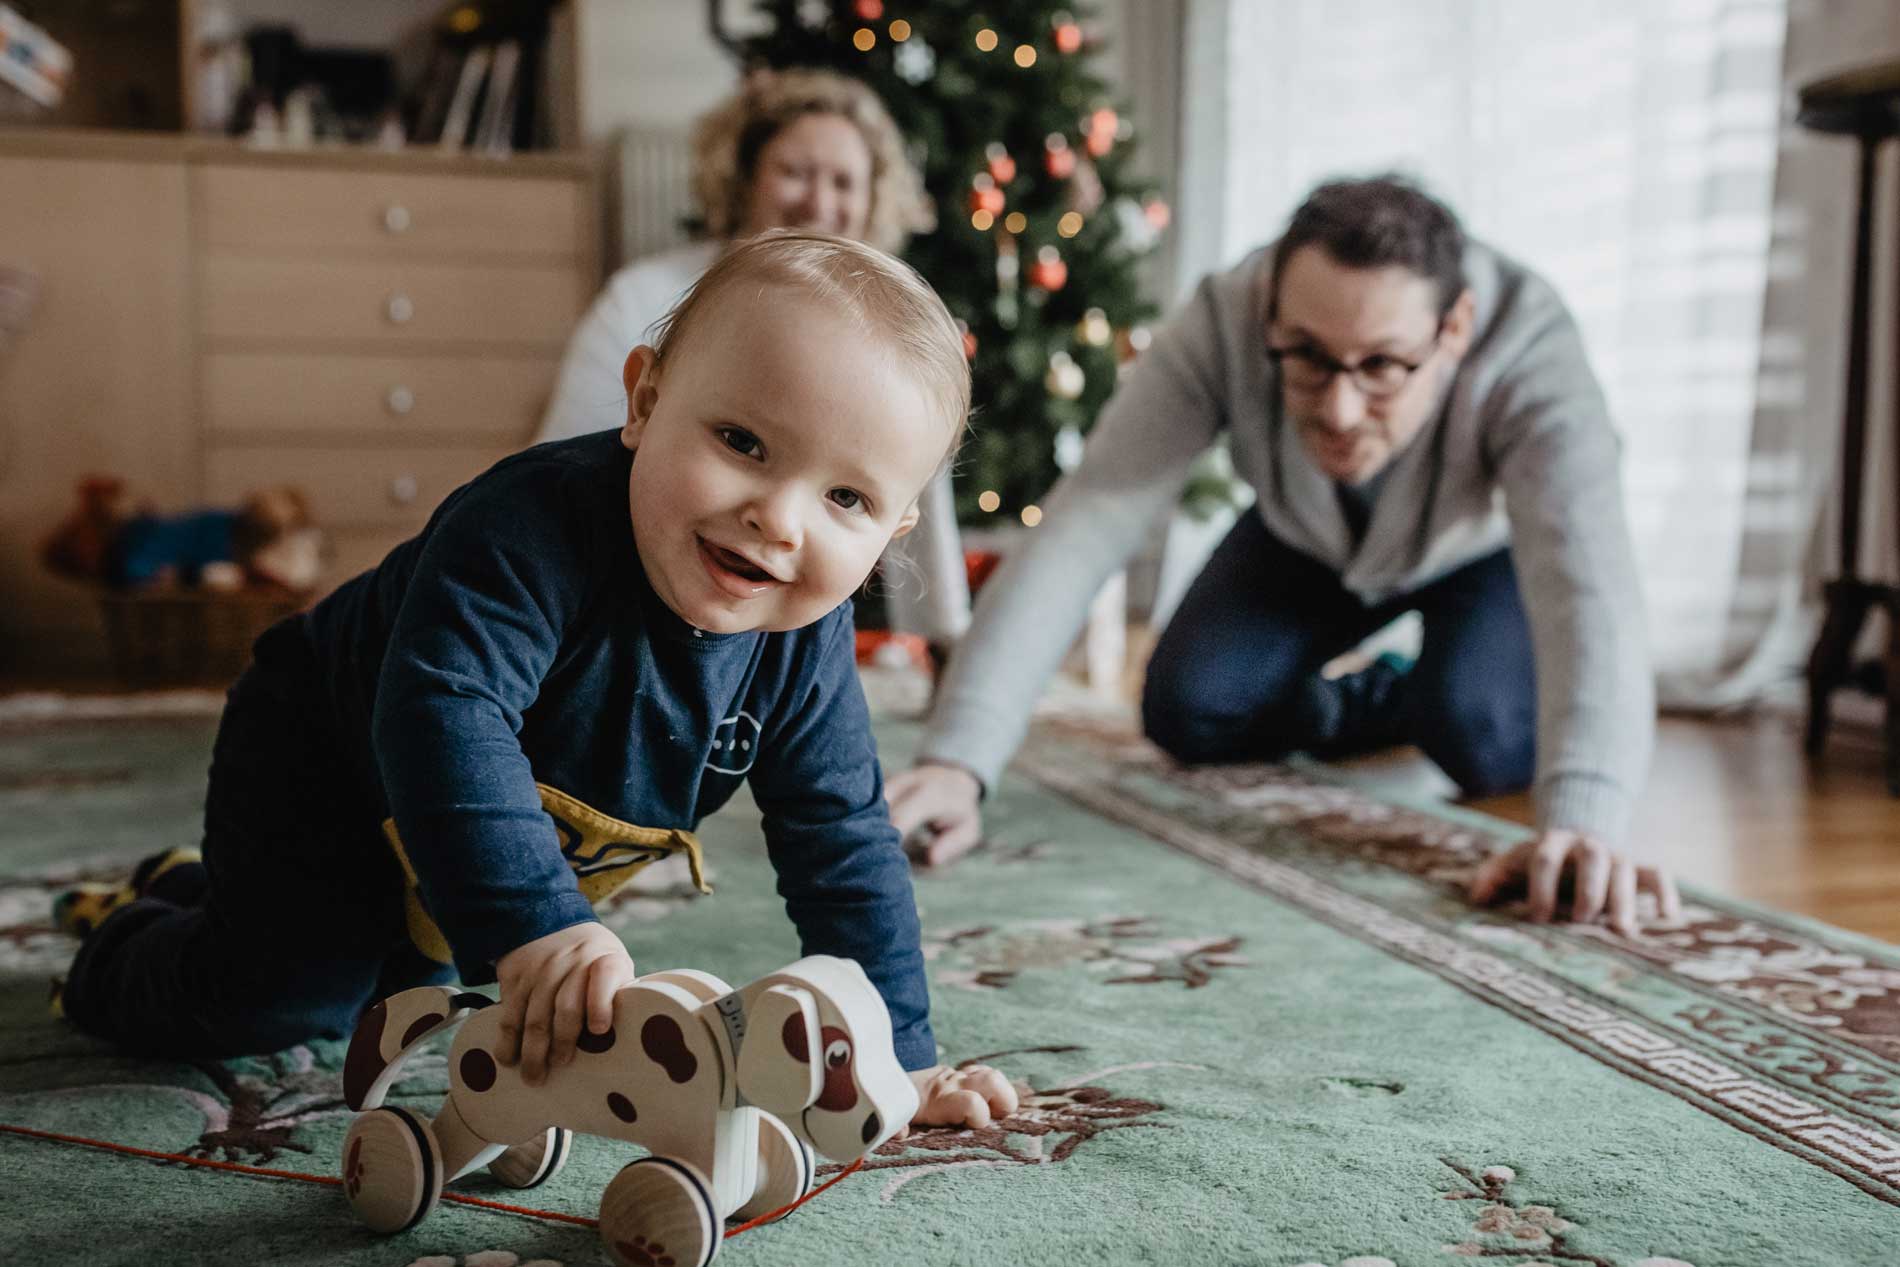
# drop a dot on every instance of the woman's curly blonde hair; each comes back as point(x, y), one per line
point(727, 141)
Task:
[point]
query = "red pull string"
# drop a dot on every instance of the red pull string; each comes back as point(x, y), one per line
point(332, 1181)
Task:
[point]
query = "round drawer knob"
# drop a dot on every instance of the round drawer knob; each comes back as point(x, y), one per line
point(401, 308)
point(396, 218)
point(400, 399)
point(402, 490)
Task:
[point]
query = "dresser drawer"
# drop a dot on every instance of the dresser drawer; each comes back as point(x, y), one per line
point(395, 303)
point(350, 487)
point(350, 552)
point(278, 209)
point(497, 398)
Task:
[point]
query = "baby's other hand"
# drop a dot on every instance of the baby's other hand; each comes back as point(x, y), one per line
point(549, 986)
point(972, 1097)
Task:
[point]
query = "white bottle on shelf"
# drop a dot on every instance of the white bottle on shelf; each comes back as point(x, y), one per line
point(218, 69)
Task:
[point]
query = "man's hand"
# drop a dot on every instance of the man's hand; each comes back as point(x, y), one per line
point(549, 986)
point(1603, 880)
point(938, 805)
point(972, 1097)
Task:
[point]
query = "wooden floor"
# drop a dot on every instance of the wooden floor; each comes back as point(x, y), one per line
point(1737, 809)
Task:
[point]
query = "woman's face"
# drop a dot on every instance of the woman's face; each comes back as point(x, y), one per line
point(814, 174)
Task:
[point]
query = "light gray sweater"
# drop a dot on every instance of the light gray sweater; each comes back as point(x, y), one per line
point(1521, 452)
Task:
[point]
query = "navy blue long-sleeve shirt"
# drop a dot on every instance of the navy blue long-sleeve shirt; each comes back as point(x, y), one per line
point(517, 640)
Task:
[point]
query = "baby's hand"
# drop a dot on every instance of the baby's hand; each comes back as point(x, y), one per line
point(960, 1097)
point(549, 986)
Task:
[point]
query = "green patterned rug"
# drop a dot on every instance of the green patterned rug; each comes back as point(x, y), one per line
point(1259, 1026)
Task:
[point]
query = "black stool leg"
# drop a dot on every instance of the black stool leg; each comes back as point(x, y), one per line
point(1892, 736)
point(1847, 599)
point(1832, 661)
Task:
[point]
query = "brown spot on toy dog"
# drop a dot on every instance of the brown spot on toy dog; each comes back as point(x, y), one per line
point(364, 1063)
point(478, 1069)
point(665, 1044)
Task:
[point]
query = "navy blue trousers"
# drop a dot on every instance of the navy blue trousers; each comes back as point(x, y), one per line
point(292, 925)
point(1235, 677)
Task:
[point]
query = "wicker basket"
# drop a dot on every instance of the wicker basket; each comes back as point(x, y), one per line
point(167, 636)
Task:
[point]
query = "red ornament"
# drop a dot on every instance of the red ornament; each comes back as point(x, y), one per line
point(1048, 272)
point(1068, 37)
point(869, 10)
point(1157, 212)
point(1001, 166)
point(985, 196)
point(1057, 158)
point(969, 339)
point(977, 566)
point(883, 647)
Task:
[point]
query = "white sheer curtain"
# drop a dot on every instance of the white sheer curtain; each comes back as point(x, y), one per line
point(1623, 148)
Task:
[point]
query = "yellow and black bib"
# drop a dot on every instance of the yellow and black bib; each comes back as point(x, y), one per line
point(604, 852)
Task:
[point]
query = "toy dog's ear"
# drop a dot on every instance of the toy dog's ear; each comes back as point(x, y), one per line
point(778, 1066)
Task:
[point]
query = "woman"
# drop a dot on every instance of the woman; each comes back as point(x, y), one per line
point(794, 150)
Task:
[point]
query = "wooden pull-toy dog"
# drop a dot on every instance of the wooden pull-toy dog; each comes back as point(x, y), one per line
point(728, 1091)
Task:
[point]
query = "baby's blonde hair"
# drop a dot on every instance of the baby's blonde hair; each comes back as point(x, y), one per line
point(727, 141)
point(882, 297)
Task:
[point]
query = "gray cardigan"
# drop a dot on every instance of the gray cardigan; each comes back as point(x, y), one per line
point(1521, 452)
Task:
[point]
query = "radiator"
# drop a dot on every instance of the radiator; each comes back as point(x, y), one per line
point(655, 190)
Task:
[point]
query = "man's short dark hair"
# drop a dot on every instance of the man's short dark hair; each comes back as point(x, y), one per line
point(1376, 223)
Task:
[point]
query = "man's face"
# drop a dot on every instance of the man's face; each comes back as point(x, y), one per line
point(1381, 322)
point(776, 454)
point(814, 174)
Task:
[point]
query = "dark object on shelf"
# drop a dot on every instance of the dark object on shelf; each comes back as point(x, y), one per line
point(357, 86)
point(1864, 104)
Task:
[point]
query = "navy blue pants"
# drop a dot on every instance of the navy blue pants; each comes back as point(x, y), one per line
point(1235, 677)
point(291, 927)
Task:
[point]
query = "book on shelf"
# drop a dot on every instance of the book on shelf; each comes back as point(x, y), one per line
point(494, 132)
point(468, 88)
point(433, 92)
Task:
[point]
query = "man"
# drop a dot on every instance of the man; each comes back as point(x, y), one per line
point(1422, 431)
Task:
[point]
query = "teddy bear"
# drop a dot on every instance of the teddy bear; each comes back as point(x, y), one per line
point(271, 540)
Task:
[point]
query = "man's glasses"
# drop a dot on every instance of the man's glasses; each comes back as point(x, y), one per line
point(1306, 368)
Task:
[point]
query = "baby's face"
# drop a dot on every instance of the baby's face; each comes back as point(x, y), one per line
point(775, 457)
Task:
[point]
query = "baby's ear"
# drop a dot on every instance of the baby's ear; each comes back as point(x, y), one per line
point(641, 377)
point(906, 521)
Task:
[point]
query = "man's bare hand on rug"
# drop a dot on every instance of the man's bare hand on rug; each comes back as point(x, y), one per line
point(972, 1096)
point(550, 987)
point(935, 808)
point(1601, 881)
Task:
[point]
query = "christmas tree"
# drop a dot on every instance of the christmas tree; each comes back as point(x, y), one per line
point(1040, 225)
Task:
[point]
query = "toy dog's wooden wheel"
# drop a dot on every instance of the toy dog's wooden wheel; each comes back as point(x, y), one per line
point(533, 1162)
point(786, 1170)
point(658, 1208)
point(392, 1169)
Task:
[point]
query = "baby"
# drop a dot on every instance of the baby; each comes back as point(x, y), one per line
point(443, 764)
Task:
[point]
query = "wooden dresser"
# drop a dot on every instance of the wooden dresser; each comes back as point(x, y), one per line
point(372, 327)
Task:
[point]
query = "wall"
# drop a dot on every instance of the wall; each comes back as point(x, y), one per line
point(649, 64)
